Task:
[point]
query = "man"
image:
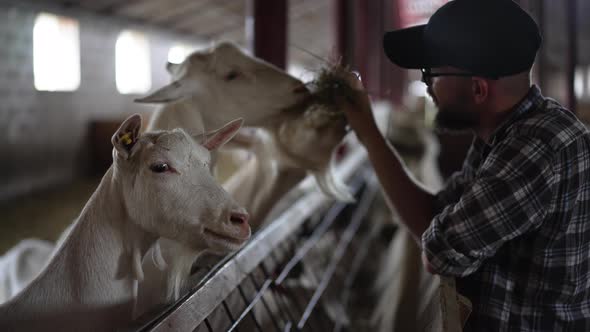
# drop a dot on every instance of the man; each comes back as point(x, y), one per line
point(514, 224)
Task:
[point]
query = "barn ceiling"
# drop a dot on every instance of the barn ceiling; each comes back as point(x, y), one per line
point(309, 20)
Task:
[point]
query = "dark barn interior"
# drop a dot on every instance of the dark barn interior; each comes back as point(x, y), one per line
point(71, 70)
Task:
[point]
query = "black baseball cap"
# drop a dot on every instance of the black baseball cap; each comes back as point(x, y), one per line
point(491, 38)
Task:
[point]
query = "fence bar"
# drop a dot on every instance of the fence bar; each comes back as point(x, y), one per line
point(351, 229)
point(250, 306)
point(279, 300)
point(357, 263)
point(265, 304)
point(228, 312)
point(310, 243)
point(208, 325)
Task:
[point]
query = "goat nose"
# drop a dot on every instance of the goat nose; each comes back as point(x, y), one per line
point(239, 218)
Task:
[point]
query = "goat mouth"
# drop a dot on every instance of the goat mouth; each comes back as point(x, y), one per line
point(219, 236)
point(300, 105)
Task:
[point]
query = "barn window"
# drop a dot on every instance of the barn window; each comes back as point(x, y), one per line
point(300, 72)
point(179, 52)
point(56, 53)
point(132, 63)
point(582, 82)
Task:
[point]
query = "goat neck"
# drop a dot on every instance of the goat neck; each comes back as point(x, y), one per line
point(90, 282)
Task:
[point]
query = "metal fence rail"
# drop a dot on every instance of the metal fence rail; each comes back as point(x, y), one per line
point(295, 274)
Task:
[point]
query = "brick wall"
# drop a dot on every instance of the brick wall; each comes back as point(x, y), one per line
point(43, 134)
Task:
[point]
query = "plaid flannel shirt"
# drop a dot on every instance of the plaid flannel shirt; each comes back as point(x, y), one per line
point(514, 223)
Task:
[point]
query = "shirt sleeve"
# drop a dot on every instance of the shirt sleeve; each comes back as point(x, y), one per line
point(452, 191)
point(455, 184)
point(508, 197)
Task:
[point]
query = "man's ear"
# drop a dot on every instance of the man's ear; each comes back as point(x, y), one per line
point(127, 135)
point(480, 89)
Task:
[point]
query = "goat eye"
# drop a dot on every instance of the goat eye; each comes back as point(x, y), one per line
point(232, 75)
point(159, 168)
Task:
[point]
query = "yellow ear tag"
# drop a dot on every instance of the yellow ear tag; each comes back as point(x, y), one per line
point(126, 139)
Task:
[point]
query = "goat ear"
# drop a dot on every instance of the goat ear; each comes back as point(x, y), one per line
point(219, 137)
point(172, 68)
point(245, 138)
point(127, 135)
point(171, 92)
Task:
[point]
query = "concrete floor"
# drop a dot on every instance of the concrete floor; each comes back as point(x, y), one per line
point(43, 215)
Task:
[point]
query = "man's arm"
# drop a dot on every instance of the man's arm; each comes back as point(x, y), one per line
point(413, 202)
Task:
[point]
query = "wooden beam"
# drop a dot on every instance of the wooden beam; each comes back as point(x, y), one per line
point(115, 6)
point(213, 18)
point(195, 17)
point(181, 10)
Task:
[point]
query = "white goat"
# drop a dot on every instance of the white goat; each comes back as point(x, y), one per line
point(217, 85)
point(221, 83)
point(168, 263)
point(159, 186)
point(21, 264)
point(257, 185)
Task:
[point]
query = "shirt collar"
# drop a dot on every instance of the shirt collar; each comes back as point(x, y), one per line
point(533, 100)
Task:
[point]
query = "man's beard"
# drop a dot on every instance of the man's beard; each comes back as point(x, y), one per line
point(453, 119)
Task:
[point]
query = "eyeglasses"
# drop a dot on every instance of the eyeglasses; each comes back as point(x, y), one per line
point(427, 75)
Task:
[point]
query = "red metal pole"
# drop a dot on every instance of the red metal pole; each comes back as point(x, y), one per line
point(394, 78)
point(572, 35)
point(360, 37)
point(341, 21)
point(266, 30)
point(374, 50)
point(541, 60)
